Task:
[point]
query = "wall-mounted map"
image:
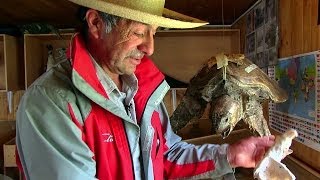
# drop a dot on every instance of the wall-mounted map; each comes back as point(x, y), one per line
point(300, 77)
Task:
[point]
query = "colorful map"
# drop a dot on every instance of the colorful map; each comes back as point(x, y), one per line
point(297, 76)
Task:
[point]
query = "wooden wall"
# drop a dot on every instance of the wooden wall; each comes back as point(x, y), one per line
point(299, 33)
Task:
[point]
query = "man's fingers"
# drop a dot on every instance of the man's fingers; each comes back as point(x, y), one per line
point(266, 141)
point(271, 137)
point(259, 154)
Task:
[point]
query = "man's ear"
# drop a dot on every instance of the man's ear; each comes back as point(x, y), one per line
point(95, 23)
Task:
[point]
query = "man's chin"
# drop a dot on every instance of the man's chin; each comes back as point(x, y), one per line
point(128, 72)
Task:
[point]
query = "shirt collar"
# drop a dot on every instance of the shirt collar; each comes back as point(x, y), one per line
point(130, 82)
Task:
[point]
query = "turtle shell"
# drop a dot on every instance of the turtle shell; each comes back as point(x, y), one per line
point(249, 75)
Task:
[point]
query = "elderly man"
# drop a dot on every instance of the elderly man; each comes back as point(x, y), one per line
point(99, 114)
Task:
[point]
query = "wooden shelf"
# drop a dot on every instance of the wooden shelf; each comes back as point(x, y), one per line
point(8, 110)
point(181, 53)
point(36, 53)
point(9, 155)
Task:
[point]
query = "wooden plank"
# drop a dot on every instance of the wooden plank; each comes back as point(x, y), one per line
point(285, 28)
point(4, 106)
point(315, 28)
point(180, 54)
point(297, 27)
point(32, 49)
point(299, 32)
point(9, 154)
point(306, 154)
point(13, 75)
point(300, 170)
point(318, 26)
point(2, 65)
point(7, 132)
point(307, 26)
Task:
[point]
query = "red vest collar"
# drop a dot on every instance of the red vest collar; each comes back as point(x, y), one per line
point(82, 63)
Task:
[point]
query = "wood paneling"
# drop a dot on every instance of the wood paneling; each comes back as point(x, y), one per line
point(315, 29)
point(2, 66)
point(300, 170)
point(299, 32)
point(307, 26)
point(285, 33)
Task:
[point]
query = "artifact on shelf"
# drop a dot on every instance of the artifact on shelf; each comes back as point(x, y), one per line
point(55, 56)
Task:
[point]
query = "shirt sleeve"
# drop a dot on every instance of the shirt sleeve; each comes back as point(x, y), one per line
point(49, 143)
point(188, 161)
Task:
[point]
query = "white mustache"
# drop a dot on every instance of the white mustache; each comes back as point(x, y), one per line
point(136, 54)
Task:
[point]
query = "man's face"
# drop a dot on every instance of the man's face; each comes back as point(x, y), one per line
point(123, 48)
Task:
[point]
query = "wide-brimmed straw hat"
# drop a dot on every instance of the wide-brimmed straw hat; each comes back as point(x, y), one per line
point(146, 11)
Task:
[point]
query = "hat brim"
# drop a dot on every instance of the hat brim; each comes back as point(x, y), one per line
point(174, 20)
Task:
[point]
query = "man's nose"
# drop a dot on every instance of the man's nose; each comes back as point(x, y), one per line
point(147, 46)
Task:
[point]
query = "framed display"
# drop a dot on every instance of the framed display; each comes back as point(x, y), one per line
point(262, 34)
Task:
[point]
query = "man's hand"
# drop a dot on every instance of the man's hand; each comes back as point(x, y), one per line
point(248, 152)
